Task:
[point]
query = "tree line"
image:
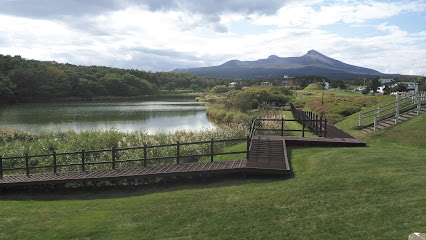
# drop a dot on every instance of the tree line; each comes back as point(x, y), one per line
point(23, 80)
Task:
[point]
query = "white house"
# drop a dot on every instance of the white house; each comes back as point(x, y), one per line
point(232, 84)
point(411, 86)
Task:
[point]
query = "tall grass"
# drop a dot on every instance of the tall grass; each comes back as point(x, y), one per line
point(19, 143)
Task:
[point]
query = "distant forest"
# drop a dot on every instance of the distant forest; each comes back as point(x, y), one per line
point(24, 80)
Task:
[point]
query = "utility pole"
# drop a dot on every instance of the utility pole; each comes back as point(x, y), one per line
point(322, 97)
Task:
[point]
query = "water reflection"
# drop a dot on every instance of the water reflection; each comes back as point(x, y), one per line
point(151, 116)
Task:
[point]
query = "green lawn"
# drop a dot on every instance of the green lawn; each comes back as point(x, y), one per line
point(337, 92)
point(294, 126)
point(376, 192)
point(235, 148)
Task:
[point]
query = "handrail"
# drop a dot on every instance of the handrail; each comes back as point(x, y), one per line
point(311, 122)
point(114, 158)
point(317, 124)
point(394, 109)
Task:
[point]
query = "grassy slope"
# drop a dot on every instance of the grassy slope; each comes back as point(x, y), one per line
point(313, 86)
point(375, 192)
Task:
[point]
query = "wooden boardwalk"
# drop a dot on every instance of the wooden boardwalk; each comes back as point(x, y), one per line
point(266, 155)
point(125, 173)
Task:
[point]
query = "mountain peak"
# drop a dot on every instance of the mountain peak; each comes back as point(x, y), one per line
point(273, 57)
point(232, 63)
point(312, 63)
point(313, 52)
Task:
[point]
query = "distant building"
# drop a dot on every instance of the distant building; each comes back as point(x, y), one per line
point(411, 86)
point(385, 80)
point(232, 84)
point(266, 84)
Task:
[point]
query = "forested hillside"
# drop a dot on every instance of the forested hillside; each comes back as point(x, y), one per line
point(24, 80)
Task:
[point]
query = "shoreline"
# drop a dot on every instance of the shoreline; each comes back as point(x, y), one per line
point(108, 98)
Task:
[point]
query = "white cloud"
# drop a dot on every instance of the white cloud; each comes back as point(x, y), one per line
point(306, 14)
point(164, 39)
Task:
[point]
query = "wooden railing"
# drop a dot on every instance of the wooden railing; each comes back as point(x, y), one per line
point(83, 155)
point(316, 124)
point(394, 109)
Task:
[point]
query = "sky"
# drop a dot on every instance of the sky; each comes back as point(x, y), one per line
point(162, 35)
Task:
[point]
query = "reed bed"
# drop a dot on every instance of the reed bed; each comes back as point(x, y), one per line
point(20, 143)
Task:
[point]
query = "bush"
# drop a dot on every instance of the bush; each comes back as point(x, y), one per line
point(219, 89)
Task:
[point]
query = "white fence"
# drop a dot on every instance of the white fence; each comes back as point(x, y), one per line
point(404, 102)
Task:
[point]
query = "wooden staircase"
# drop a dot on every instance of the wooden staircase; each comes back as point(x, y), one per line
point(268, 153)
point(391, 121)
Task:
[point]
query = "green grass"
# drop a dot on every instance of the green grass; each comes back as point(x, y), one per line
point(313, 86)
point(376, 192)
point(330, 91)
point(235, 148)
point(350, 124)
point(294, 126)
point(336, 105)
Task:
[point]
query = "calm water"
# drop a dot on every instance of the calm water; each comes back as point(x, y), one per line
point(151, 116)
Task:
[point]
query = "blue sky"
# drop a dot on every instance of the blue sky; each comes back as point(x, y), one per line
point(161, 35)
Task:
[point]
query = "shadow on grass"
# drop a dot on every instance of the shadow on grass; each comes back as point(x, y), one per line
point(129, 188)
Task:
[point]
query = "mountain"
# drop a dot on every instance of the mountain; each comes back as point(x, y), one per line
point(312, 63)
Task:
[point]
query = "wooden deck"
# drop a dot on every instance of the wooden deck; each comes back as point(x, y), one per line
point(267, 155)
point(125, 173)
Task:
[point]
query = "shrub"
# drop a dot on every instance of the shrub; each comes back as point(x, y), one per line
point(219, 89)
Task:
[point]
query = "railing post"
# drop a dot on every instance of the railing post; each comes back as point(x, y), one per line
point(419, 105)
point(303, 125)
point(55, 167)
point(316, 124)
point(375, 123)
point(320, 126)
point(144, 155)
point(417, 102)
point(248, 147)
point(27, 166)
point(83, 161)
point(325, 127)
point(397, 110)
point(1, 167)
point(282, 127)
point(177, 152)
point(379, 112)
point(113, 157)
point(309, 118)
point(211, 149)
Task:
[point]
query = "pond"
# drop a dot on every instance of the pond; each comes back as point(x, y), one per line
point(124, 116)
